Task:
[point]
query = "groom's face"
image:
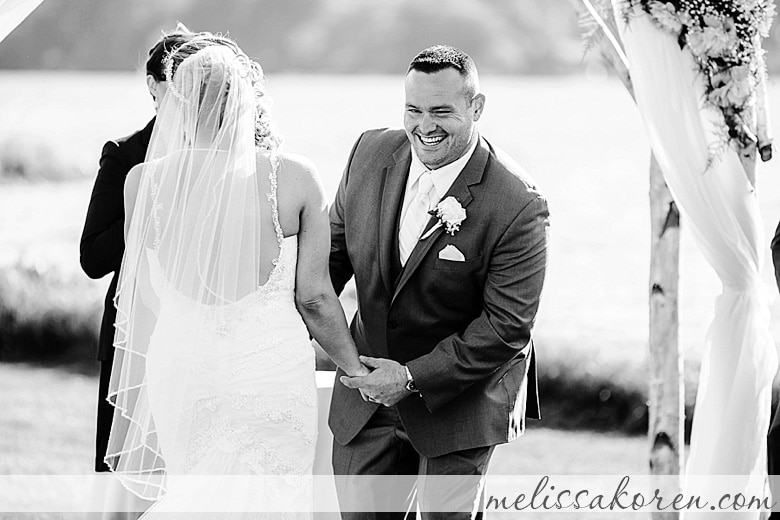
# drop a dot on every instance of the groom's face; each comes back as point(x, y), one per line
point(440, 116)
point(157, 89)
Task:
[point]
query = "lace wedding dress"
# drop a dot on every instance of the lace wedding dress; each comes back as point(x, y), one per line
point(250, 398)
point(249, 405)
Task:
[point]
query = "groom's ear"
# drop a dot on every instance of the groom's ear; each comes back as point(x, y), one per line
point(477, 105)
point(151, 83)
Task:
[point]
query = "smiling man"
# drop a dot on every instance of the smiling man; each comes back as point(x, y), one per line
point(442, 108)
point(446, 238)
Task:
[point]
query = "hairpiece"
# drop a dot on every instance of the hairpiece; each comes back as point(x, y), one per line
point(168, 67)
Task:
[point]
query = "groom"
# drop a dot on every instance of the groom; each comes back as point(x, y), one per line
point(446, 301)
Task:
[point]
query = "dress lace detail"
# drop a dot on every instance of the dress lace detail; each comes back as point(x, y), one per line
point(264, 457)
point(272, 196)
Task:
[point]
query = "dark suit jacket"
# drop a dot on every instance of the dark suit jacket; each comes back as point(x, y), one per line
point(775, 247)
point(463, 328)
point(102, 241)
point(773, 451)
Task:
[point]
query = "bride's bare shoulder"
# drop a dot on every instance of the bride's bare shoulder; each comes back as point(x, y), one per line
point(298, 174)
point(296, 163)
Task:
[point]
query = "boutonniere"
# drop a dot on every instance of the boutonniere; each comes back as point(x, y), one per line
point(450, 214)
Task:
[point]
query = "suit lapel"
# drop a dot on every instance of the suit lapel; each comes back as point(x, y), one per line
point(394, 185)
point(460, 189)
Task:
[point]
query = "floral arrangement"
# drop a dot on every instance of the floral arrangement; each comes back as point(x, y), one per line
point(724, 37)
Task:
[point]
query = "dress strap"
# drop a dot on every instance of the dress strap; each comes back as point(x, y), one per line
point(272, 196)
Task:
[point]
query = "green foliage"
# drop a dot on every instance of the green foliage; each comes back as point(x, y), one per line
point(48, 318)
point(597, 391)
point(503, 36)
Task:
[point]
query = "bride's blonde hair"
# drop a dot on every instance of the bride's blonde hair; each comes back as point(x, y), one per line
point(266, 136)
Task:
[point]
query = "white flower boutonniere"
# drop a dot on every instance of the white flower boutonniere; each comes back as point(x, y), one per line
point(450, 214)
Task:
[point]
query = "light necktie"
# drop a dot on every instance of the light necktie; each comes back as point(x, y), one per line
point(416, 216)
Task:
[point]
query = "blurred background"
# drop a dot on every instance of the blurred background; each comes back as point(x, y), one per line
point(336, 36)
point(313, 36)
point(72, 79)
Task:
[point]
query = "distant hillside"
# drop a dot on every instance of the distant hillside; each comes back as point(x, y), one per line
point(353, 36)
point(512, 36)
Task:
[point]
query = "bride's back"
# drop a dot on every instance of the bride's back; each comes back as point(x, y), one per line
point(215, 365)
point(211, 175)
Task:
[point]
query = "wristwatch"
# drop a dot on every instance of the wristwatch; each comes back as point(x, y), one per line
point(410, 386)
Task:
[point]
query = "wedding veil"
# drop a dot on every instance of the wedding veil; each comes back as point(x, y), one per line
point(200, 238)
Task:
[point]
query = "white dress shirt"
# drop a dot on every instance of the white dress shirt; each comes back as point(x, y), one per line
point(442, 177)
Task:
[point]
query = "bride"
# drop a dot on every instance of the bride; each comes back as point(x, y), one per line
point(225, 276)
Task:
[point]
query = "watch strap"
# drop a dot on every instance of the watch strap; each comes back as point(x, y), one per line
point(410, 386)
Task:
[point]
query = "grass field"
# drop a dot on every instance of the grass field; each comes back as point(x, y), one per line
point(46, 428)
point(581, 138)
point(49, 432)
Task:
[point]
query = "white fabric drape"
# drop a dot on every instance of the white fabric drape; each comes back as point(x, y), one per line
point(721, 210)
point(13, 12)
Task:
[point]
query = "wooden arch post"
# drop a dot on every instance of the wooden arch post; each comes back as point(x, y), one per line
point(666, 410)
point(666, 395)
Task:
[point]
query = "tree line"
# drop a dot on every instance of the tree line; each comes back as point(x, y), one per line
point(349, 36)
point(327, 36)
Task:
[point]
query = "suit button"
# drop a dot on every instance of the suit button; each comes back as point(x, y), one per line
point(392, 324)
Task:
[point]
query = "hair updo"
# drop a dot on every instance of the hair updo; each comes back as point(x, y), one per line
point(266, 136)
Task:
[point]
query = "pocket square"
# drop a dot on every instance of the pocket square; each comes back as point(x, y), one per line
point(451, 253)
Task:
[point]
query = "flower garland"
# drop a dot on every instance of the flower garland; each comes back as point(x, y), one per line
point(724, 37)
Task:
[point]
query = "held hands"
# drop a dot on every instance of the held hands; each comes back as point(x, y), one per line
point(363, 370)
point(386, 384)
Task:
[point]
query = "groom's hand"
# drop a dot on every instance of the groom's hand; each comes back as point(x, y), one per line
point(386, 384)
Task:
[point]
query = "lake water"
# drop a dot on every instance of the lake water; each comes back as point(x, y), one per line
point(580, 137)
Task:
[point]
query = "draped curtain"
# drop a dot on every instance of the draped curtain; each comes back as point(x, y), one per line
point(13, 12)
point(720, 208)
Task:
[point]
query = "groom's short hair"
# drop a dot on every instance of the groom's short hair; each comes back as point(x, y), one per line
point(164, 46)
point(440, 57)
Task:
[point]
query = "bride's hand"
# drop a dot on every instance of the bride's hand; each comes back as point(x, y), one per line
point(363, 370)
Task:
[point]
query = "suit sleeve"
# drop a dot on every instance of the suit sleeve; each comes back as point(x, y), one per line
point(776, 255)
point(102, 241)
point(503, 329)
point(341, 270)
